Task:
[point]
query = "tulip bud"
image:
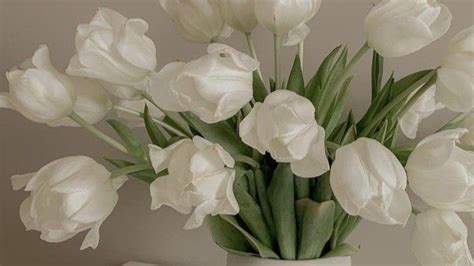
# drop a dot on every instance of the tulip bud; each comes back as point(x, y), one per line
point(287, 18)
point(114, 49)
point(239, 14)
point(214, 87)
point(441, 173)
point(284, 125)
point(368, 180)
point(40, 93)
point(396, 28)
point(199, 21)
point(455, 84)
point(440, 238)
point(424, 107)
point(68, 196)
point(200, 176)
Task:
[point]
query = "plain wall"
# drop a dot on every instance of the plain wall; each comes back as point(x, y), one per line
point(133, 231)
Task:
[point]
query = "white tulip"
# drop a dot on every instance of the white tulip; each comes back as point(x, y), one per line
point(137, 107)
point(440, 238)
point(284, 125)
point(199, 21)
point(239, 14)
point(368, 180)
point(68, 196)
point(424, 107)
point(396, 28)
point(114, 49)
point(468, 138)
point(214, 87)
point(441, 173)
point(39, 93)
point(200, 176)
point(455, 84)
point(92, 102)
point(287, 18)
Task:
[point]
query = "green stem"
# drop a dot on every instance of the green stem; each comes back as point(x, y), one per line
point(394, 103)
point(277, 60)
point(99, 134)
point(253, 51)
point(166, 126)
point(247, 160)
point(130, 170)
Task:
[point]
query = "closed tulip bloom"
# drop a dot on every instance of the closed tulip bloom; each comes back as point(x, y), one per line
point(287, 18)
point(214, 87)
point(396, 28)
point(239, 14)
point(284, 125)
point(440, 238)
point(424, 107)
point(455, 84)
point(114, 49)
point(368, 180)
point(199, 21)
point(440, 172)
point(68, 196)
point(40, 93)
point(200, 176)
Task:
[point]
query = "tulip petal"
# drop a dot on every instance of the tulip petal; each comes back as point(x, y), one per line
point(25, 215)
point(164, 191)
point(119, 181)
point(160, 157)
point(20, 181)
point(41, 59)
point(454, 90)
point(92, 238)
point(248, 130)
point(296, 35)
point(315, 163)
point(5, 101)
point(161, 88)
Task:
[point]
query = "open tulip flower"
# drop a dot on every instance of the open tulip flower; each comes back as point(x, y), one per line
point(275, 170)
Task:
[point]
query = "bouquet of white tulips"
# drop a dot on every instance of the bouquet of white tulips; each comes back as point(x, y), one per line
point(277, 170)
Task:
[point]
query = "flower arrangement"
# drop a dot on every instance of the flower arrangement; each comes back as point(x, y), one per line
point(276, 170)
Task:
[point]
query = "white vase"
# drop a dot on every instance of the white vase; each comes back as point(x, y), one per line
point(235, 260)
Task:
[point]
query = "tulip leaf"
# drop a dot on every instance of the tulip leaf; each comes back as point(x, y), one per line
point(313, 88)
point(219, 133)
point(316, 224)
point(252, 215)
point(281, 194)
point(227, 236)
point(406, 83)
point(262, 250)
point(338, 107)
point(342, 250)
point(322, 191)
point(264, 201)
point(296, 80)
point(147, 176)
point(343, 226)
point(402, 154)
point(259, 90)
point(302, 188)
point(251, 183)
point(175, 120)
point(130, 140)
point(156, 136)
point(377, 74)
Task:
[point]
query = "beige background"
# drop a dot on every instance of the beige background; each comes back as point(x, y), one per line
point(133, 231)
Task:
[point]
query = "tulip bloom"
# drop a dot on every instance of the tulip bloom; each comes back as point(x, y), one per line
point(200, 176)
point(424, 107)
point(199, 21)
point(214, 87)
point(440, 238)
point(40, 93)
point(455, 84)
point(441, 173)
point(287, 18)
point(115, 49)
point(239, 14)
point(284, 125)
point(368, 180)
point(68, 196)
point(396, 28)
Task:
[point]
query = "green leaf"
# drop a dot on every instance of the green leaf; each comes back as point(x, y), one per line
point(312, 90)
point(343, 250)
point(336, 111)
point(259, 90)
point(252, 216)
point(302, 188)
point(343, 226)
point(281, 194)
point(264, 201)
point(377, 74)
point(296, 80)
point(406, 82)
point(403, 154)
point(130, 140)
point(263, 250)
point(227, 236)
point(252, 186)
point(154, 132)
point(316, 224)
point(322, 191)
point(219, 133)
point(147, 176)
point(175, 120)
